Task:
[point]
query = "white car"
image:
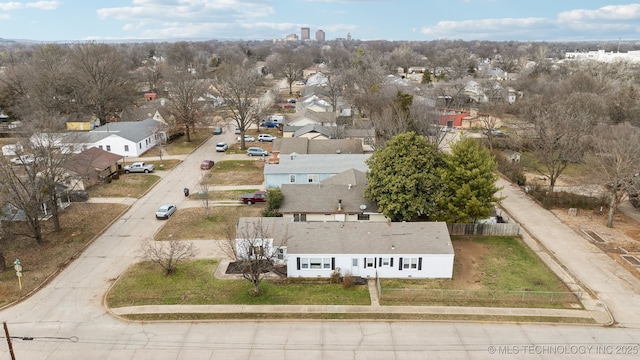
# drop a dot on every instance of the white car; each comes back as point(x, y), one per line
point(247, 138)
point(266, 137)
point(222, 147)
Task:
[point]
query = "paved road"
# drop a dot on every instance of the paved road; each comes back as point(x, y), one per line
point(67, 320)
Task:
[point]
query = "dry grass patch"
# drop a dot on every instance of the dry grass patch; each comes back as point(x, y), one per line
point(181, 147)
point(191, 223)
point(81, 222)
point(128, 185)
point(237, 172)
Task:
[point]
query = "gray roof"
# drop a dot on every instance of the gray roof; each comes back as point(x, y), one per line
point(318, 164)
point(374, 238)
point(134, 131)
point(302, 145)
point(348, 187)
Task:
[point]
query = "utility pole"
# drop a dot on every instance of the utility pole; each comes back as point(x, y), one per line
point(6, 333)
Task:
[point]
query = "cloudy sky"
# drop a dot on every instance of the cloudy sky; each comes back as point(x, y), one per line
point(522, 20)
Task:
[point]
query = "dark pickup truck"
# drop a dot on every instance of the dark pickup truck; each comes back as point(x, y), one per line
point(252, 198)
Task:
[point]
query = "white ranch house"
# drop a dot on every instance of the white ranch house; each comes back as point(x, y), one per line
point(366, 249)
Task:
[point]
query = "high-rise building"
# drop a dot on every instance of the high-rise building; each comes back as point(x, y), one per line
point(305, 31)
point(320, 35)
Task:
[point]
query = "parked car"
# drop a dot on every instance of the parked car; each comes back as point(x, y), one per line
point(139, 167)
point(217, 130)
point(165, 211)
point(222, 147)
point(248, 138)
point(257, 151)
point(266, 137)
point(255, 197)
point(238, 131)
point(23, 160)
point(269, 124)
point(206, 164)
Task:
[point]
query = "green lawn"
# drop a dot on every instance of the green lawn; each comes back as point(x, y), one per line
point(180, 146)
point(194, 284)
point(508, 272)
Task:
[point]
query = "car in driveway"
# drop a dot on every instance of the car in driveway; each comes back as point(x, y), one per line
point(165, 211)
point(266, 137)
point(206, 164)
point(257, 151)
point(247, 138)
point(222, 147)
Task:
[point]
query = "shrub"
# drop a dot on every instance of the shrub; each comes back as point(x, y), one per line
point(348, 281)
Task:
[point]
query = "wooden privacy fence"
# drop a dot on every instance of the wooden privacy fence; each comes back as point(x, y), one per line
point(502, 229)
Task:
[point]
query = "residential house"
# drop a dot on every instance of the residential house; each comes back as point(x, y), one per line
point(311, 131)
point(311, 169)
point(127, 138)
point(338, 198)
point(90, 167)
point(309, 116)
point(511, 155)
point(367, 249)
point(82, 124)
point(304, 145)
point(312, 70)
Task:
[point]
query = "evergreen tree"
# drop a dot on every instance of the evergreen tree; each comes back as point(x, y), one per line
point(403, 177)
point(468, 183)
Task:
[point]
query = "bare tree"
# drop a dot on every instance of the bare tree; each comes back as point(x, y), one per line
point(289, 65)
point(617, 155)
point(558, 131)
point(185, 89)
point(404, 57)
point(254, 249)
point(167, 254)
point(100, 79)
point(240, 89)
point(203, 192)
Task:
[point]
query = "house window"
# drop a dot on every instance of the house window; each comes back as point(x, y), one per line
point(313, 179)
point(126, 148)
point(282, 252)
point(370, 262)
point(315, 263)
point(410, 264)
point(363, 216)
point(292, 178)
point(108, 147)
point(299, 217)
point(100, 147)
point(386, 262)
point(354, 262)
point(257, 250)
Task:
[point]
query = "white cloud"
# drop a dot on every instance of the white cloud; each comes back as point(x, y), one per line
point(486, 28)
point(44, 5)
point(612, 12)
point(10, 6)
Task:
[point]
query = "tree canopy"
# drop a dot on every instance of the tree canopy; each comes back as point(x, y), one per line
point(403, 177)
point(468, 183)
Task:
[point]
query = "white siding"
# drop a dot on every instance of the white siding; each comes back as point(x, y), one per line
point(431, 266)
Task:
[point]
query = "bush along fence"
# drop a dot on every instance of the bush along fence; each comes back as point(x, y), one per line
point(449, 297)
point(500, 229)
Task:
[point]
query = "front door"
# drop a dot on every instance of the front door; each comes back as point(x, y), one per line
point(355, 269)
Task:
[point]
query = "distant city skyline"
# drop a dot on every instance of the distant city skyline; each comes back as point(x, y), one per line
point(412, 20)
